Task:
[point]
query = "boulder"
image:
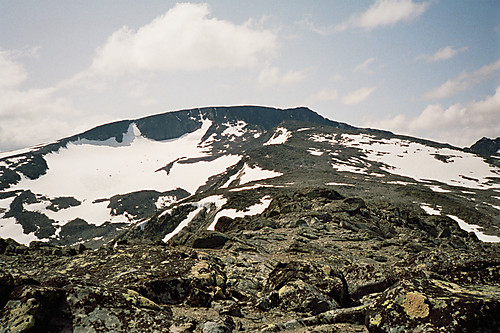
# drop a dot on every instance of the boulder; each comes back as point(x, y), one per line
point(421, 305)
point(308, 287)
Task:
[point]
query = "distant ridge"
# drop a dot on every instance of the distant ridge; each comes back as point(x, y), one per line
point(486, 146)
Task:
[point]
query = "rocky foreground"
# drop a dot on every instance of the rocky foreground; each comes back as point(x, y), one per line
point(313, 261)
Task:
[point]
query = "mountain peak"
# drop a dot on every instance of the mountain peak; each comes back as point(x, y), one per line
point(486, 146)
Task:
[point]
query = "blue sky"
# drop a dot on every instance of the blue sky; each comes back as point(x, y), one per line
point(423, 68)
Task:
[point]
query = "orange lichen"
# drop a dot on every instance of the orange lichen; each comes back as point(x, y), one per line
point(415, 305)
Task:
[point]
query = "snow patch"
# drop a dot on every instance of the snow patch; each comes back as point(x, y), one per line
point(164, 201)
point(206, 203)
point(248, 174)
point(398, 182)
point(349, 168)
point(475, 229)
point(420, 162)
point(9, 228)
point(338, 184)
point(235, 129)
point(88, 170)
point(438, 189)
point(496, 207)
point(279, 137)
point(233, 213)
point(315, 152)
point(245, 188)
point(429, 209)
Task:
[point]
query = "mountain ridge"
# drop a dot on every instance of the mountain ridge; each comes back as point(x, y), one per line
point(221, 145)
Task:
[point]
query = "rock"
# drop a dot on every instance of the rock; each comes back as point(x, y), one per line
point(223, 325)
point(301, 297)
point(6, 286)
point(353, 205)
point(8, 245)
point(308, 287)
point(297, 224)
point(204, 282)
point(229, 308)
point(268, 302)
point(209, 239)
point(319, 263)
point(33, 308)
point(225, 224)
point(422, 304)
point(118, 309)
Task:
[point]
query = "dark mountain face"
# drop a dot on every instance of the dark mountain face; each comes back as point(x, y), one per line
point(248, 219)
point(486, 147)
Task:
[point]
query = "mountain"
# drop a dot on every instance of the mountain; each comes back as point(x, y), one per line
point(486, 147)
point(252, 219)
point(90, 184)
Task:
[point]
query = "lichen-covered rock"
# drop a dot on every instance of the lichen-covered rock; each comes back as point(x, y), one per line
point(32, 308)
point(308, 287)
point(222, 325)
point(301, 297)
point(97, 309)
point(427, 304)
point(6, 286)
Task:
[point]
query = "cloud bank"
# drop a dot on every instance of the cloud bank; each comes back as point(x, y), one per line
point(461, 125)
point(463, 82)
point(184, 38)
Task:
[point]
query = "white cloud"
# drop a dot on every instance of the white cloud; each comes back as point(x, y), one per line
point(12, 74)
point(184, 38)
point(357, 96)
point(324, 95)
point(308, 24)
point(272, 76)
point(365, 65)
point(463, 82)
point(444, 53)
point(30, 116)
point(385, 12)
point(461, 125)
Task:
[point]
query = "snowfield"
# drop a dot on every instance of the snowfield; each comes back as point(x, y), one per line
point(417, 161)
point(89, 170)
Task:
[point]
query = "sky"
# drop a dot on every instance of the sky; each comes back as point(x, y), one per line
point(429, 69)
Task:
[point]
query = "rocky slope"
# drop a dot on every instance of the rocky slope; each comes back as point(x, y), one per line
point(313, 261)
